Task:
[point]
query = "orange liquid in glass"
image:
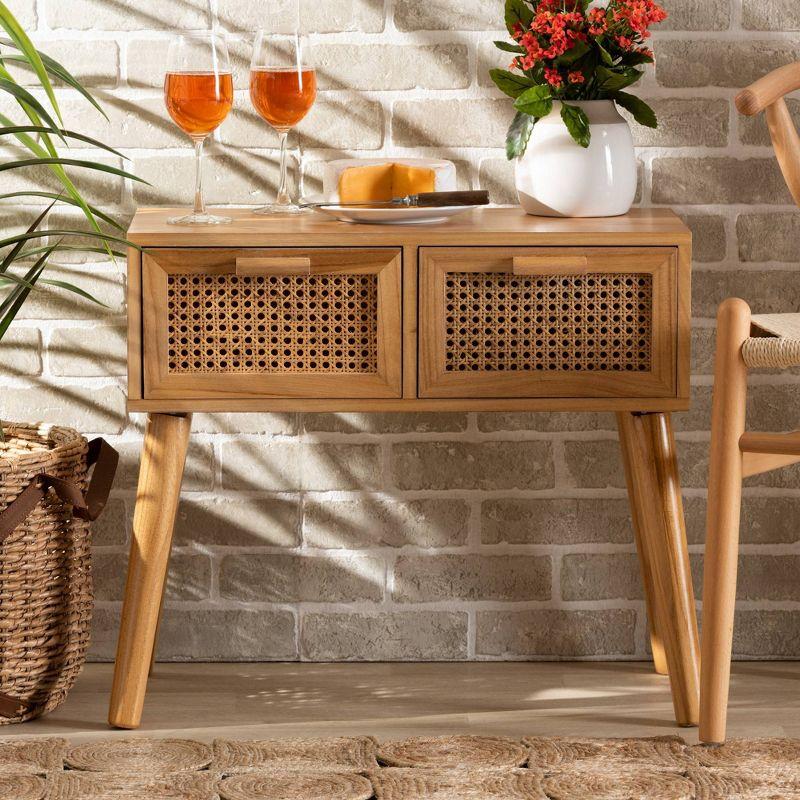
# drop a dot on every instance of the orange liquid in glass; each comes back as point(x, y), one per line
point(198, 102)
point(283, 96)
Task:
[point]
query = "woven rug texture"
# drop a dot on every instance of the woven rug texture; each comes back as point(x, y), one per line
point(417, 768)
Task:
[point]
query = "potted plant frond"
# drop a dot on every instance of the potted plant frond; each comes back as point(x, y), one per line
point(46, 496)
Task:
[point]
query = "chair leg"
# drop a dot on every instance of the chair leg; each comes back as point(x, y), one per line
point(722, 524)
point(160, 475)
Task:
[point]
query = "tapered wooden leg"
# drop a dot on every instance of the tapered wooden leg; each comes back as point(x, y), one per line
point(722, 523)
point(654, 488)
point(656, 642)
point(160, 474)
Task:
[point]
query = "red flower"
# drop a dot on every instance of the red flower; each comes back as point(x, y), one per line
point(576, 76)
point(598, 23)
point(553, 77)
point(625, 42)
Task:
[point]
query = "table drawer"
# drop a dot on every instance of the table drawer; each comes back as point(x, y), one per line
point(548, 322)
point(260, 323)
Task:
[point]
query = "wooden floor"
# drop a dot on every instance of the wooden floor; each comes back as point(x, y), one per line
point(394, 700)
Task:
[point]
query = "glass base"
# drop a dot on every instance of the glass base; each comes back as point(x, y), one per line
point(281, 209)
point(199, 219)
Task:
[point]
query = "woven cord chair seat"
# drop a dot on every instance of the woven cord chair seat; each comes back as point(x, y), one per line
point(779, 348)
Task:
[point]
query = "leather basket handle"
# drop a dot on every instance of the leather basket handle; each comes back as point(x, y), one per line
point(89, 506)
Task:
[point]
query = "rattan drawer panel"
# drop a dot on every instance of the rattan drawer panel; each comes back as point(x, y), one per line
point(272, 323)
point(548, 322)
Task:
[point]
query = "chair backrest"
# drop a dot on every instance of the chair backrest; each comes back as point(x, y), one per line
point(768, 94)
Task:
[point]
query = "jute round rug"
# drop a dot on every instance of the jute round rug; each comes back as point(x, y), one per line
point(417, 768)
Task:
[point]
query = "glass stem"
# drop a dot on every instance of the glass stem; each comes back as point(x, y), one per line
point(199, 202)
point(283, 198)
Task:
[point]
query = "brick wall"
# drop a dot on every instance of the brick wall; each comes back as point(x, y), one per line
point(387, 537)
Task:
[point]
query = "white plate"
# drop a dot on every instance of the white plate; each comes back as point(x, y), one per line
point(387, 216)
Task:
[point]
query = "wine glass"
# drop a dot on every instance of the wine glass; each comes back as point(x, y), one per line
point(283, 88)
point(198, 92)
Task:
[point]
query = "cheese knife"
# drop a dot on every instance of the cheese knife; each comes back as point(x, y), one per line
point(423, 200)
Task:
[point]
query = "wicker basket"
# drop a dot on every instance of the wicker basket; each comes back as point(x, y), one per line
point(45, 562)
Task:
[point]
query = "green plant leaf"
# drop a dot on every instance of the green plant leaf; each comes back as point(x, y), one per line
point(23, 96)
point(519, 135)
point(579, 50)
point(69, 162)
point(641, 112)
point(11, 256)
point(577, 124)
point(606, 57)
point(536, 102)
point(43, 151)
point(70, 287)
point(20, 38)
point(13, 130)
point(26, 237)
point(518, 12)
point(74, 248)
point(510, 83)
point(612, 81)
point(634, 57)
point(56, 70)
point(69, 201)
point(510, 48)
point(10, 307)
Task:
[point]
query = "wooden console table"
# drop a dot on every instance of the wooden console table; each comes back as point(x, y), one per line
point(492, 311)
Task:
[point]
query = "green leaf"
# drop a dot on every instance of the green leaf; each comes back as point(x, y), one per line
point(509, 82)
point(13, 130)
point(579, 50)
point(69, 162)
point(635, 57)
point(613, 81)
point(10, 307)
point(605, 55)
point(518, 12)
point(20, 38)
point(641, 112)
point(57, 70)
point(25, 97)
point(577, 124)
point(70, 287)
point(519, 135)
point(70, 248)
point(536, 102)
point(12, 256)
point(510, 48)
point(26, 237)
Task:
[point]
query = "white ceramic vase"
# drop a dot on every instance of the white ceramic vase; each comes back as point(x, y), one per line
point(556, 177)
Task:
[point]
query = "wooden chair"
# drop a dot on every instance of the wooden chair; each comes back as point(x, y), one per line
point(743, 342)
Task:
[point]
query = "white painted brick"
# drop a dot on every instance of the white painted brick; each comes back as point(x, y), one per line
point(21, 352)
point(100, 409)
point(102, 15)
point(89, 351)
point(380, 66)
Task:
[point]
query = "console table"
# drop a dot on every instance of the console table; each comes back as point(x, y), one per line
point(491, 311)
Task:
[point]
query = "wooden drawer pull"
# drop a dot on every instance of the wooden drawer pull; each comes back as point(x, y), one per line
point(550, 265)
point(277, 265)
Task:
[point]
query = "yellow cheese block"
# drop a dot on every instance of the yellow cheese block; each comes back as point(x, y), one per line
point(383, 182)
point(413, 180)
point(358, 184)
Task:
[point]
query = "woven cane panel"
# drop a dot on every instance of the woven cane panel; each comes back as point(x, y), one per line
point(597, 322)
point(321, 324)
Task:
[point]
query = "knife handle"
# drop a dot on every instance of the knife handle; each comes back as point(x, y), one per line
point(433, 199)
